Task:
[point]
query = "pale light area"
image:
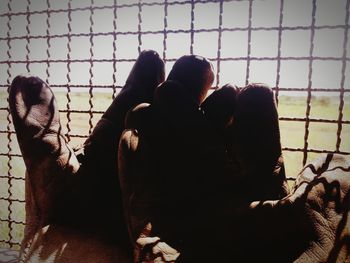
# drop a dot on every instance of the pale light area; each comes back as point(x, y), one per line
point(235, 14)
point(264, 43)
point(233, 72)
point(297, 13)
point(208, 44)
point(329, 42)
point(152, 18)
point(179, 17)
point(265, 13)
point(178, 45)
point(206, 15)
point(294, 73)
point(330, 12)
point(234, 44)
point(296, 43)
point(263, 72)
point(323, 75)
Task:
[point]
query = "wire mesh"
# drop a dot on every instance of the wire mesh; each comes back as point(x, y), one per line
point(45, 38)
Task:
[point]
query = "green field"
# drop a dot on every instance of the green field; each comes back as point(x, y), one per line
point(322, 136)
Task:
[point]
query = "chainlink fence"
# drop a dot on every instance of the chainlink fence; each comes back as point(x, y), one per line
point(85, 49)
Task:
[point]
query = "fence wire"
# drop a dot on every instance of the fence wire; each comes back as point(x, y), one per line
point(12, 216)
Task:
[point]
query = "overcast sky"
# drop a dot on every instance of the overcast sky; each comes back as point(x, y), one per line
point(265, 13)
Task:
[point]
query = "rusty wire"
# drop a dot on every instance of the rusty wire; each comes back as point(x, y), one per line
point(308, 100)
point(165, 36)
point(69, 72)
point(165, 31)
point(8, 128)
point(91, 95)
point(342, 81)
point(279, 48)
point(48, 41)
point(139, 26)
point(192, 26)
point(114, 50)
point(218, 59)
point(28, 39)
point(249, 30)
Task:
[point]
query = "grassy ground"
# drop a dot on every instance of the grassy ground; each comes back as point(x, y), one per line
point(322, 136)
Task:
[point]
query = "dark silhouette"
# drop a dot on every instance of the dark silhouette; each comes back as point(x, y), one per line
point(257, 144)
point(99, 202)
point(195, 73)
point(220, 110)
point(182, 180)
point(50, 162)
point(220, 107)
point(197, 175)
point(176, 177)
point(248, 121)
point(60, 192)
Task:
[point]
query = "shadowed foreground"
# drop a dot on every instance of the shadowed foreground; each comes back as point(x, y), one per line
point(309, 225)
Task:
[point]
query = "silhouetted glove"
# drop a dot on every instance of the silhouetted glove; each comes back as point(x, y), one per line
point(257, 144)
point(49, 160)
point(100, 167)
point(68, 198)
point(171, 169)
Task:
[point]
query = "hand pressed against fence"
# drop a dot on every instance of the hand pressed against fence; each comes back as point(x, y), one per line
point(247, 119)
point(308, 225)
point(68, 202)
point(100, 166)
point(177, 172)
point(188, 180)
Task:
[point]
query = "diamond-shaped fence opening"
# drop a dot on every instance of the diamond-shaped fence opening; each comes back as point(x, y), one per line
point(85, 49)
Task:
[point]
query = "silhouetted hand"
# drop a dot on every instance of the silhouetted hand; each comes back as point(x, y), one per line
point(74, 210)
point(309, 225)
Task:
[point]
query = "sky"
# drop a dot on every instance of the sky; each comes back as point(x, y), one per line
point(328, 42)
